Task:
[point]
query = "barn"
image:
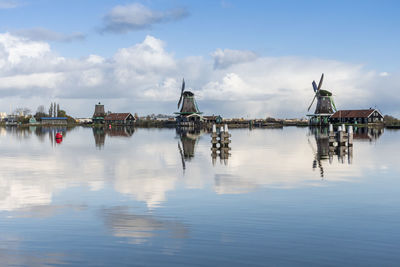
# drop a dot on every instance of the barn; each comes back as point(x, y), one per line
point(120, 119)
point(357, 116)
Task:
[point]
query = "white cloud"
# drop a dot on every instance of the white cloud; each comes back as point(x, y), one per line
point(131, 17)
point(8, 4)
point(227, 57)
point(41, 34)
point(146, 77)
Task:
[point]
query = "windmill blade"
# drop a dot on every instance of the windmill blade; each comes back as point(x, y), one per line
point(314, 85)
point(333, 103)
point(320, 82)
point(312, 102)
point(180, 100)
point(183, 88)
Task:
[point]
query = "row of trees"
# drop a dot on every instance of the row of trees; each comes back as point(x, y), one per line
point(53, 111)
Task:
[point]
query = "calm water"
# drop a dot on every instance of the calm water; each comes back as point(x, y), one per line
point(149, 197)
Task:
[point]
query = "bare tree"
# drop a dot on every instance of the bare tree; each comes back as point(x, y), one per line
point(51, 110)
point(26, 111)
point(40, 109)
point(58, 110)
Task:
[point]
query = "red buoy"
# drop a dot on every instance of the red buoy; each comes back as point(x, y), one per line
point(59, 136)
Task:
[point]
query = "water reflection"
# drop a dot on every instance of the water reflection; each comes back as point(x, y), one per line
point(324, 151)
point(100, 133)
point(138, 229)
point(42, 132)
point(187, 144)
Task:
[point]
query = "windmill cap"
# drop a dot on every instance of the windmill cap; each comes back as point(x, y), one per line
point(188, 93)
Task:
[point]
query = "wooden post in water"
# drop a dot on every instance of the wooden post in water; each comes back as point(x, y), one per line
point(350, 135)
point(220, 143)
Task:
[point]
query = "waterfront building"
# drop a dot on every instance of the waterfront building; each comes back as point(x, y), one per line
point(32, 120)
point(357, 116)
point(120, 119)
point(54, 120)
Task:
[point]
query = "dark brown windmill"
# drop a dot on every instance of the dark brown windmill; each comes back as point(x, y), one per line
point(189, 111)
point(325, 105)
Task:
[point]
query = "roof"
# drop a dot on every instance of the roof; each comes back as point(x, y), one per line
point(53, 118)
point(212, 117)
point(355, 113)
point(117, 116)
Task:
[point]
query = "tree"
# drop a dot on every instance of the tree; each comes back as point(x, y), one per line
point(23, 112)
point(62, 113)
point(40, 112)
point(54, 109)
point(51, 110)
point(58, 111)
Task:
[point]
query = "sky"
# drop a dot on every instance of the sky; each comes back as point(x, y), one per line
point(240, 58)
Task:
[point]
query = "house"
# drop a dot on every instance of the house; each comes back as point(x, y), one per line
point(120, 119)
point(213, 119)
point(12, 120)
point(32, 120)
point(357, 116)
point(54, 120)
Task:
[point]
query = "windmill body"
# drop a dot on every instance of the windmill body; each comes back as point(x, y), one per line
point(325, 106)
point(189, 113)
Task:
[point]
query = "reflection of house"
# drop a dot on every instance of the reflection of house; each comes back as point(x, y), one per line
point(120, 119)
point(54, 120)
point(120, 131)
point(363, 116)
point(368, 134)
point(100, 133)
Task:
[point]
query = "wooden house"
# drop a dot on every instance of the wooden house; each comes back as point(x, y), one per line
point(120, 119)
point(357, 116)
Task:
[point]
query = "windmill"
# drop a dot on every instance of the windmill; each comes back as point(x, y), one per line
point(189, 111)
point(325, 105)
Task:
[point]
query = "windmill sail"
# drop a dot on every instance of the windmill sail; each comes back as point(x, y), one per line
point(314, 86)
point(183, 88)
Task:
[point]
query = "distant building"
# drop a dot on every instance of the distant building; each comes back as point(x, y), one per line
point(362, 116)
point(3, 116)
point(120, 119)
point(12, 120)
point(99, 114)
point(32, 120)
point(84, 120)
point(213, 119)
point(54, 120)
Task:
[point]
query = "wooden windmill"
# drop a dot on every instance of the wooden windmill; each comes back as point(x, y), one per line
point(189, 111)
point(325, 105)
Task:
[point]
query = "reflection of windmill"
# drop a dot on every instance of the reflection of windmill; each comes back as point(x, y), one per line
point(325, 105)
point(189, 113)
point(317, 160)
point(187, 144)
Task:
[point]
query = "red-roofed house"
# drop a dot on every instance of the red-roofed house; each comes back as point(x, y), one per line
point(362, 116)
point(120, 119)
